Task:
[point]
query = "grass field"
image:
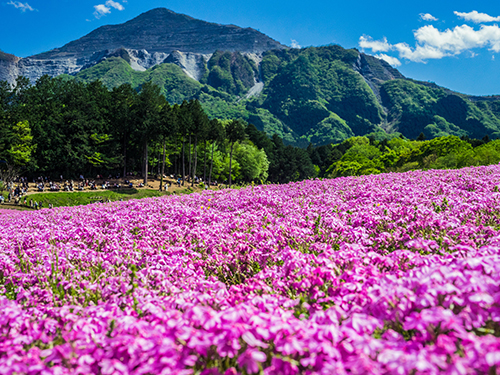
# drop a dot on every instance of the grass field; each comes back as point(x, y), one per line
point(67, 199)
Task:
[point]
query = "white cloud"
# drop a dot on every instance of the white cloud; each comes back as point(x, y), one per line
point(103, 9)
point(432, 43)
point(477, 17)
point(389, 59)
point(23, 7)
point(114, 4)
point(374, 45)
point(295, 44)
point(419, 53)
point(461, 38)
point(427, 17)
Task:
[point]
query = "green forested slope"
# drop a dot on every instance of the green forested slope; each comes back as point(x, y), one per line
point(315, 95)
point(115, 71)
point(415, 107)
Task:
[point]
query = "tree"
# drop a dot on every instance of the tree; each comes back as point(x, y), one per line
point(148, 109)
point(184, 125)
point(216, 134)
point(235, 131)
point(16, 149)
point(199, 128)
point(253, 162)
point(168, 128)
point(123, 97)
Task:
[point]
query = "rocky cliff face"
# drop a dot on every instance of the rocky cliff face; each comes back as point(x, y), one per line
point(8, 67)
point(149, 39)
point(375, 72)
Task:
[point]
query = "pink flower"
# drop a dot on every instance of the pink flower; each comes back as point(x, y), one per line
point(250, 360)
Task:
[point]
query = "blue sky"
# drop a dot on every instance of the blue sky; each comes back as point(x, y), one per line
point(453, 43)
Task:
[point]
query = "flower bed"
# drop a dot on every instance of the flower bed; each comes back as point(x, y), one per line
point(394, 273)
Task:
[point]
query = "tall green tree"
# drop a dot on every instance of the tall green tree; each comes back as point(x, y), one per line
point(216, 134)
point(16, 149)
point(148, 115)
point(168, 129)
point(124, 98)
point(184, 122)
point(199, 128)
point(235, 131)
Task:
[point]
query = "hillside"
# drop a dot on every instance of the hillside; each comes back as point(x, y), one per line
point(314, 95)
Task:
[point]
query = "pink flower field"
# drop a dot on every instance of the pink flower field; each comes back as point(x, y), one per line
point(383, 274)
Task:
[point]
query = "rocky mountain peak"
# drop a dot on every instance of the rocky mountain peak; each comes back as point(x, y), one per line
point(162, 30)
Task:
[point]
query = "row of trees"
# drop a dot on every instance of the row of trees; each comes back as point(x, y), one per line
point(58, 126)
point(63, 127)
point(379, 152)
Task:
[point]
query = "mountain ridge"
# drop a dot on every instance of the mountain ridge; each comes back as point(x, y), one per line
point(162, 30)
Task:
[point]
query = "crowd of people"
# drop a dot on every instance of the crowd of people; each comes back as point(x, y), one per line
point(18, 189)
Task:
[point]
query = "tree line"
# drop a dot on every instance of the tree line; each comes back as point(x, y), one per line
point(61, 127)
point(380, 153)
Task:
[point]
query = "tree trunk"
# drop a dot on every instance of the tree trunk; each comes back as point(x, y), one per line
point(175, 165)
point(205, 162)
point(183, 163)
point(162, 167)
point(145, 162)
point(189, 150)
point(124, 156)
point(230, 162)
point(159, 162)
point(195, 158)
point(211, 166)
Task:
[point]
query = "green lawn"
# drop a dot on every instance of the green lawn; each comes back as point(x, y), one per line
point(65, 199)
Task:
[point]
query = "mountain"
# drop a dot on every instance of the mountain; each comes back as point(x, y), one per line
point(149, 39)
point(312, 95)
point(163, 31)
